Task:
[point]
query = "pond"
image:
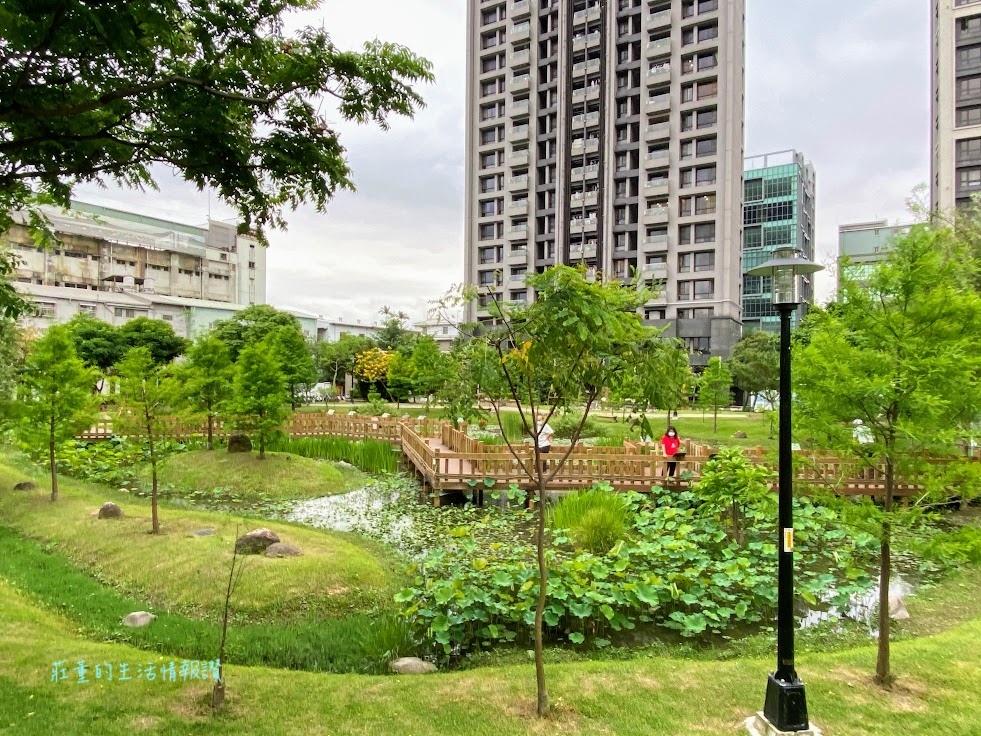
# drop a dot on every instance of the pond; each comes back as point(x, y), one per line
point(862, 607)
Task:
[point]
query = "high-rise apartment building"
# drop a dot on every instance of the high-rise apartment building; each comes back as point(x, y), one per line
point(956, 101)
point(610, 133)
point(778, 212)
point(867, 244)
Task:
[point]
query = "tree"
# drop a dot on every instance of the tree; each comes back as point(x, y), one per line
point(55, 395)
point(206, 379)
point(393, 333)
point(901, 354)
point(429, 367)
point(336, 359)
point(101, 92)
point(292, 351)
point(259, 395)
point(755, 366)
point(12, 304)
point(252, 325)
point(564, 347)
point(147, 392)
point(663, 378)
point(715, 388)
point(398, 378)
point(155, 335)
point(97, 343)
point(371, 366)
point(9, 367)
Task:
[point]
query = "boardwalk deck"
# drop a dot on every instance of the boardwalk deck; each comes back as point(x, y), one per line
point(447, 460)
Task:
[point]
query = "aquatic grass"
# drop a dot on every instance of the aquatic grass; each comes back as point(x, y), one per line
point(596, 519)
point(371, 456)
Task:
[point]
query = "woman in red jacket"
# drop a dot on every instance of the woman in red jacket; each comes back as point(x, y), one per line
point(671, 444)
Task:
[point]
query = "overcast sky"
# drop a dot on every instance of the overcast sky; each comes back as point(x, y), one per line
point(844, 81)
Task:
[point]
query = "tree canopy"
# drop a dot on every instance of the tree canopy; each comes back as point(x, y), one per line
point(755, 366)
point(96, 91)
point(253, 324)
point(155, 335)
point(295, 359)
point(96, 342)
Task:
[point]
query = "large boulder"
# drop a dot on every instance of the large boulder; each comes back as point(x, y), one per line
point(897, 608)
point(281, 549)
point(138, 619)
point(26, 485)
point(255, 542)
point(110, 510)
point(739, 436)
point(411, 666)
point(239, 443)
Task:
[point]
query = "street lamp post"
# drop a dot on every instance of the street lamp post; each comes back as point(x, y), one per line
point(785, 708)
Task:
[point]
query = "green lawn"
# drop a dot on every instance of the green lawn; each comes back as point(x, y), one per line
point(279, 476)
point(336, 573)
point(936, 693)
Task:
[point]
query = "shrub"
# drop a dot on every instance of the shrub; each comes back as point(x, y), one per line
point(376, 405)
point(565, 424)
point(595, 519)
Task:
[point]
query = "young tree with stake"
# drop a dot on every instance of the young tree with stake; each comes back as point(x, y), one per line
point(715, 388)
point(259, 395)
point(147, 392)
point(55, 396)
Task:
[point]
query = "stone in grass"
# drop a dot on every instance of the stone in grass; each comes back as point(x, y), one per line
point(202, 533)
point(239, 443)
point(26, 485)
point(281, 549)
point(110, 510)
point(411, 666)
point(897, 608)
point(739, 436)
point(255, 542)
point(344, 464)
point(138, 619)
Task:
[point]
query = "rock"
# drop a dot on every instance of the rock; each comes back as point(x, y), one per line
point(739, 436)
point(138, 619)
point(255, 541)
point(330, 412)
point(386, 415)
point(897, 608)
point(110, 510)
point(239, 443)
point(202, 533)
point(279, 549)
point(26, 485)
point(344, 464)
point(411, 666)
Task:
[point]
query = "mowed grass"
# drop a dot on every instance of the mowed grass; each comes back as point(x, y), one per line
point(335, 574)
point(279, 476)
point(935, 695)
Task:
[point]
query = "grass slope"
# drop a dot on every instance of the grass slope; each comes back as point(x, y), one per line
point(336, 574)
point(279, 476)
point(936, 694)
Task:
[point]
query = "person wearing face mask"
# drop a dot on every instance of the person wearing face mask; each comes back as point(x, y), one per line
point(671, 444)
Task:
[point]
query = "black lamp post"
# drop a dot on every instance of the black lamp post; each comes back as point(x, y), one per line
point(786, 704)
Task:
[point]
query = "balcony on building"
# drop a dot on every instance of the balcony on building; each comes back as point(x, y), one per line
point(658, 103)
point(656, 242)
point(659, 130)
point(661, 19)
point(517, 232)
point(518, 158)
point(657, 158)
point(587, 14)
point(520, 83)
point(519, 132)
point(520, 32)
point(656, 215)
point(582, 67)
point(579, 224)
point(516, 280)
point(579, 251)
point(656, 187)
point(519, 108)
point(518, 182)
point(658, 73)
point(655, 270)
point(660, 47)
point(578, 198)
point(520, 58)
point(589, 118)
point(584, 171)
point(585, 40)
point(517, 255)
point(520, 205)
point(520, 8)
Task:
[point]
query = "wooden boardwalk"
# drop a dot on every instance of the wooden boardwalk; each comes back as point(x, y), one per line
point(447, 460)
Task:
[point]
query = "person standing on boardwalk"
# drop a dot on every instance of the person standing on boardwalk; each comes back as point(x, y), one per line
point(545, 435)
point(671, 443)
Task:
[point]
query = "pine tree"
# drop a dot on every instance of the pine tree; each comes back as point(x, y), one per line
point(207, 379)
point(259, 394)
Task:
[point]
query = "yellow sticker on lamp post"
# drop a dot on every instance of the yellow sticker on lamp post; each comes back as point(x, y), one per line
point(788, 540)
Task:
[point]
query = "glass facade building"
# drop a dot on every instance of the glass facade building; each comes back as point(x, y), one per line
point(778, 212)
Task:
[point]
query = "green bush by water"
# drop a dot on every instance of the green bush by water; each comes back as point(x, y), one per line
point(596, 519)
point(371, 456)
point(565, 425)
point(360, 642)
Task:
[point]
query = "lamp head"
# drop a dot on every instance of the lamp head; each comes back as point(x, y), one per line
point(785, 267)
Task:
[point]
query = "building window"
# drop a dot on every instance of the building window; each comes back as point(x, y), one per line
point(696, 313)
point(705, 147)
point(969, 178)
point(705, 232)
point(969, 116)
point(88, 309)
point(707, 118)
point(753, 190)
point(45, 309)
point(704, 176)
point(704, 289)
point(699, 345)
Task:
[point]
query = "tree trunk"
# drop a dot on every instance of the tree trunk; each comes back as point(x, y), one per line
point(53, 466)
point(667, 424)
point(153, 479)
point(882, 674)
point(542, 591)
point(211, 431)
point(715, 420)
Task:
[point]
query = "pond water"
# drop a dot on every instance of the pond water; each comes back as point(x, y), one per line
point(861, 607)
